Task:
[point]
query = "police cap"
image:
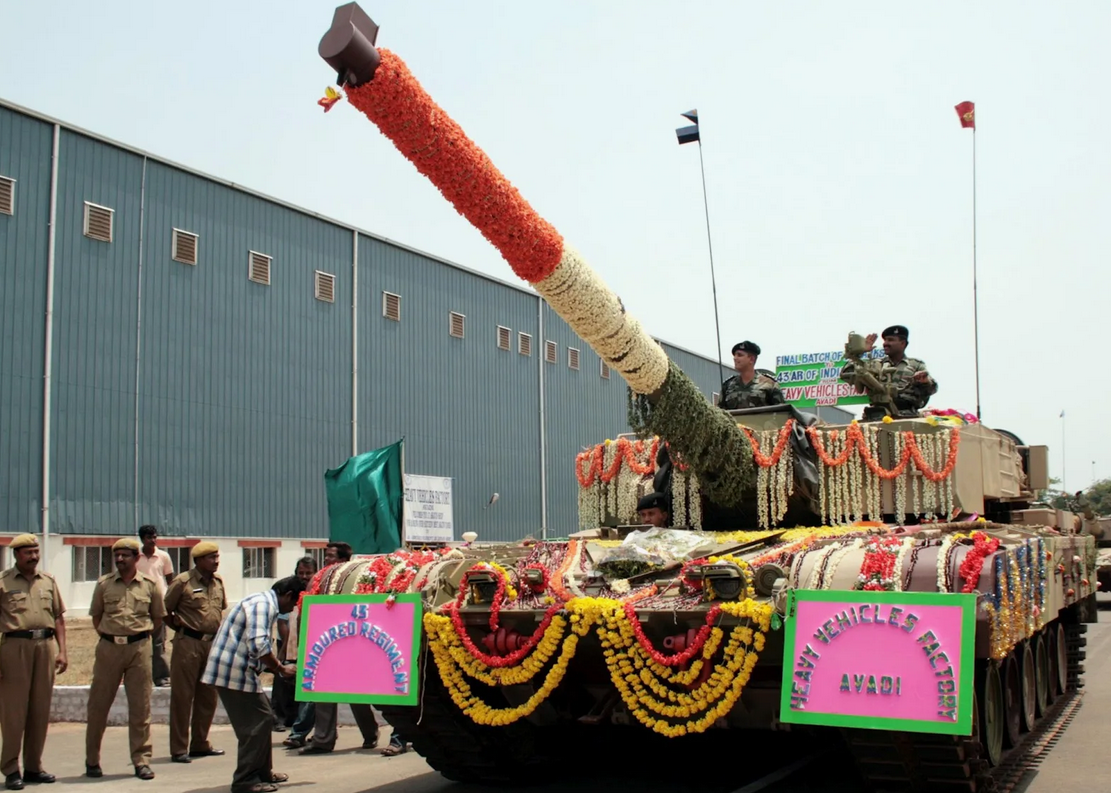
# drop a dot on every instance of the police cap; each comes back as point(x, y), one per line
point(746, 346)
point(204, 549)
point(23, 541)
point(127, 544)
point(652, 501)
point(897, 330)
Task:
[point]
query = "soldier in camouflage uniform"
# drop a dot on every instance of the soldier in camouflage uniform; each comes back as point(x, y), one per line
point(747, 388)
point(913, 383)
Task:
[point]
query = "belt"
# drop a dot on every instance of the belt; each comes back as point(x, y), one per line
point(138, 637)
point(38, 633)
point(201, 637)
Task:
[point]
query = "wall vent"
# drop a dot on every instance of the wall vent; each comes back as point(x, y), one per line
point(524, 343)
point(572, 358)
point(605, 370)
point(258, 268)
point(391, 306)
point(98, 222)
point(504, 334)
point(7, 195)
point(551, 351)
point(184, 247)
point(325, 287)
point(457, 324)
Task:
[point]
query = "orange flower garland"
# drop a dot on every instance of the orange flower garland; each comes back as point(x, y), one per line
point(439, 148)
point(910, 452)
point(627, 452)
point(765, 460)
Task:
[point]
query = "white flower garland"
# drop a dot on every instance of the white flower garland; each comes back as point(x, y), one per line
point(897, 573)
point(835, 561)
point(943, 556)
point(593, 310)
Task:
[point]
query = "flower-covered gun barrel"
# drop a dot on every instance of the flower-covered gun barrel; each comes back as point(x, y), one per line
point(380, 85)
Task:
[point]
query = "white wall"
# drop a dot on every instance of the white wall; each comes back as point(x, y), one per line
point(58, 561)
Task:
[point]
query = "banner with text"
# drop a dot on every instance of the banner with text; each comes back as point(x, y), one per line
point(427, 514)
point(880, 660)
point(814, 379)
point(359, 649)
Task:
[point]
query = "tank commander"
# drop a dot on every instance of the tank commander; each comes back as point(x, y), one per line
point(653, 510)
point(747, 388)
point(912, 381)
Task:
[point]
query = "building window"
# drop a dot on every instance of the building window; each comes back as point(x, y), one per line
point(325, 287)
point(716, 399)
point(90, 562)
point(572, 358)
point(7, 195)
point(184, 247)
point(551, 351)
point(259, 268)
point(317, 554)
point(182, 558)
point(524, 344)
point(504, 334)
point(258, 563)
point(456, 324)
point(605, 370)
point(98, 222)
point(391, 306)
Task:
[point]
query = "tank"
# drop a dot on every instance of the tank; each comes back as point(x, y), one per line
point(691, 637)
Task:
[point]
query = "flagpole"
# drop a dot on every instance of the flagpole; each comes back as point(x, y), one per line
point(1064, 489)
point(710, 246)
point(975, 294)
point(689, 135)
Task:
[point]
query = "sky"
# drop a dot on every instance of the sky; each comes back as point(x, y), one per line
point(839, 180)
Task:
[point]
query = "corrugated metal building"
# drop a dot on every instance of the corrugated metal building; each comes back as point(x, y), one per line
point(211, 352)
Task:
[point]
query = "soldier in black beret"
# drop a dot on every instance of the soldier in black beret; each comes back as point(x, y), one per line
point(913, 383)
point(748, 388)
point(653, 510)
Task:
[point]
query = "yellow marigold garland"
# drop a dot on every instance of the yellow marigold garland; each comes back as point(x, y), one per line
point(642, 683)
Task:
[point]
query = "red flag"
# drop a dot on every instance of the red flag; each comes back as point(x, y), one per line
point(966, 111)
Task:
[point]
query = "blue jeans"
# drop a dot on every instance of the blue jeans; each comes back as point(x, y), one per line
point(306, 717)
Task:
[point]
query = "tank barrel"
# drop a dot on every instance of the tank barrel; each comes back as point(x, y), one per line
point(666, 402)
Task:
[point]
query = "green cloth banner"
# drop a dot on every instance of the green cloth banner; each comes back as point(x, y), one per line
point(365, 496)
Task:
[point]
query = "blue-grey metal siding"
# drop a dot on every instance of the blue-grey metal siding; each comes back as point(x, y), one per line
point(25, 151)
point(245, 389)
point(95, 305)
point(465, 408)
point(190, 397)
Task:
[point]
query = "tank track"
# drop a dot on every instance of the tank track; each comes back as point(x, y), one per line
point(461, 750)
point(893, 762)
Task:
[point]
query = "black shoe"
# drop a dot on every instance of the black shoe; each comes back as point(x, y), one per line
point(144, 772)
point(208, 753)
point(38, 778)
point(13, 781)
point(93, 772)
point(180, 758)
point(315, 750)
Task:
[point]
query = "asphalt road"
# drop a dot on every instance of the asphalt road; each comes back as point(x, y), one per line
point(1077, 763)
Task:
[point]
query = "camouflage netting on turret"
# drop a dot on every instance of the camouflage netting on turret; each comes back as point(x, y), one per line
point(699, 435)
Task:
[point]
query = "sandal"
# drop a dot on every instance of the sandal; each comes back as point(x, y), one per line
point(278, 777)
point(394, 749)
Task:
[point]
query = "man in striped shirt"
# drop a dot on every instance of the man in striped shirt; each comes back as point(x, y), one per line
point(240, 652)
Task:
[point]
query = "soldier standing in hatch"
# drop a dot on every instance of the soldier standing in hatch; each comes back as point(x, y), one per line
point(913, 384)
point(127, 609)
point(31, 620)
point(747, 388)
point(195, 604)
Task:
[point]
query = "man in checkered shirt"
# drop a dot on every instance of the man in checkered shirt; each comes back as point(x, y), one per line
point(240, 652)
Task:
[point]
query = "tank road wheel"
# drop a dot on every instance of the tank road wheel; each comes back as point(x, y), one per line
point(1053, 685)
point(989, 697)
point(1012, 700)
point(1041, 673)
point(1062, 660)
point(1029, 687)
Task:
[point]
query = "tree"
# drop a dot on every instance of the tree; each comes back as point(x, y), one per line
point(1099, 496)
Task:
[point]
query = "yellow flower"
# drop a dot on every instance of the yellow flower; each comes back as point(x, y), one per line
point(886, 420)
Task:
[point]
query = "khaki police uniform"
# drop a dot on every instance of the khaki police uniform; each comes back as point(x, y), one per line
point(127, 612)
point(28, 612)
point(199, 609)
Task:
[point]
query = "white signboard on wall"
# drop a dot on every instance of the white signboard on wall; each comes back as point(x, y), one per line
point(427, 513)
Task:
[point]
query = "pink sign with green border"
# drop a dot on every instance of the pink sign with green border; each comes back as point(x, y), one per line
point(881, 660)
point(359, 649)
